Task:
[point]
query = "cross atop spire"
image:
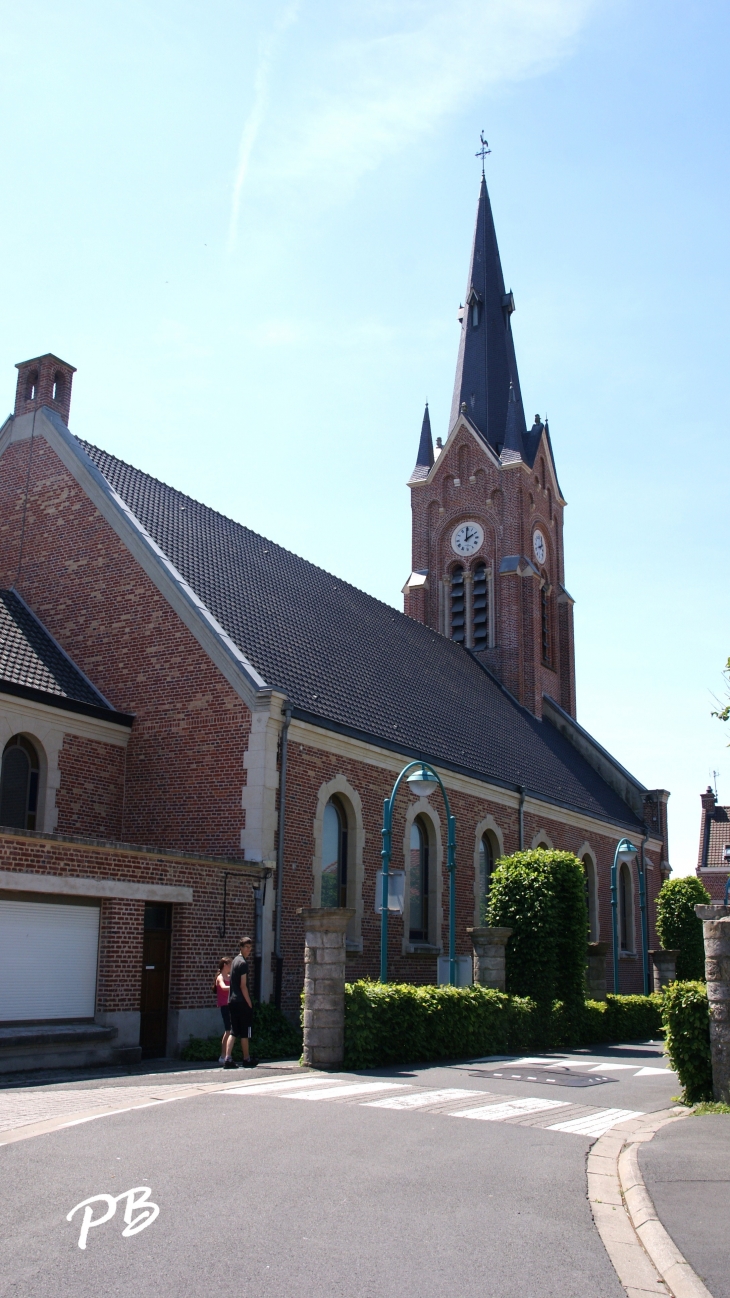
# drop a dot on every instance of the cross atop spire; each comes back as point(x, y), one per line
point(486, 365)
point(483, 151)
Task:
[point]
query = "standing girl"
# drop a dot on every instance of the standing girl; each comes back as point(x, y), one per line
point(221, 988)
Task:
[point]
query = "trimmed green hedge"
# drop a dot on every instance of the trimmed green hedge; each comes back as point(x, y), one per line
point(404, 1024)
point(272, 1037)
point(540, 895)
point(679, 928)
point(686, 1016)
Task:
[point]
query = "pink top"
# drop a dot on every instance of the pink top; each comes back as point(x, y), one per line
point(222, 992)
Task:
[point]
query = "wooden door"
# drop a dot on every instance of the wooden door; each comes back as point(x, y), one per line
point(155, 980)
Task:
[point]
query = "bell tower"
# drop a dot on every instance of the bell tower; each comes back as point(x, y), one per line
point(487, 565)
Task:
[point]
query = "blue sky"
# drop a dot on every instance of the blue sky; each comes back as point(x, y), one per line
point(248, 227)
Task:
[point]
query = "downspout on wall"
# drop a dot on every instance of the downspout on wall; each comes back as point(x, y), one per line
point(521, 816)
point(279, 959)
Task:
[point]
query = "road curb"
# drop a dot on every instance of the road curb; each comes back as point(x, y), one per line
point(644, 1256)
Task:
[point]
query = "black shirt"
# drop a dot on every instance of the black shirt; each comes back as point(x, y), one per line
point(239, 979)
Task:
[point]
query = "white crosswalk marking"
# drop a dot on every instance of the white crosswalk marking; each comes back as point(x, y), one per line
point(597, 1124)
point(609, 1068)
point(421, 1098)
point(273, 1088)
point(342, 1092)
point(512, 1109)
point(650, 1072)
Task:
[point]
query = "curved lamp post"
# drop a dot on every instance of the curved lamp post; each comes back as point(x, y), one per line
point(623, 847)
point(423, 781)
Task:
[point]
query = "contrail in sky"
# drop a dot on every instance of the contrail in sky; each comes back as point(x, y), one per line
point(252, 124)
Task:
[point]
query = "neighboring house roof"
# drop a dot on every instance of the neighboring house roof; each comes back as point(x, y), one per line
point(33, 665)
point(719, 837)
point(347, 661)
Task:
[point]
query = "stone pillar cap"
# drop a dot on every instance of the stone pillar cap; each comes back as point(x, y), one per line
point(662, 952)
point(712, 912)
point(497, 933)
point(598, 948)
point(333, 919)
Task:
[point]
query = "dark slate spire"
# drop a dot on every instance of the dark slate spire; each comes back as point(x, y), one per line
point(486, 366)
point(513, 448)
point(424, 459)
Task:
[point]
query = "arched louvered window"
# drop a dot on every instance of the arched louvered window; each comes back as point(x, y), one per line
point(545, 622)
point(19, 784)
point(59, 386)
point(31, 385)
point(458, 606)
point(481, 608)
point(418, 877)
point(334, 855)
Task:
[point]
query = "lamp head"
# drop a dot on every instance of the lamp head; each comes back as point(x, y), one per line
point(626, 849)
point(421, 783)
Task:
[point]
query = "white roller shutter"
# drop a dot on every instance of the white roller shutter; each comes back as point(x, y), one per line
point(47, 960)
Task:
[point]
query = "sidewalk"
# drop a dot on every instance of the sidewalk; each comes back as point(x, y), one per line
point(686, 1170)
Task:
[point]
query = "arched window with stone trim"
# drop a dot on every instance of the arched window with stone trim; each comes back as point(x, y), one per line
point(419, 881)
point(458, 605)
point(334, 854)
point(625, 908)
point(19, 784)
point(591, 887)
point(488, 852)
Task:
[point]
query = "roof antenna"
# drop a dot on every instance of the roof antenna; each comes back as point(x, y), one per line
point(714, 780)
point(482, 153)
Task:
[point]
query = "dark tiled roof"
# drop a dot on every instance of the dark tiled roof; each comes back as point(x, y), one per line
point(719, 836)
point(351, 660)
point(31, 658)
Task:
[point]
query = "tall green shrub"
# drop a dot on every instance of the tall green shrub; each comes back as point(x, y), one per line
point(679, 928)
point(686, 1016)
point(540, 895)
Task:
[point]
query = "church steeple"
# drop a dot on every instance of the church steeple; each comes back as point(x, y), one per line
point(424, 459)
point(486, 368)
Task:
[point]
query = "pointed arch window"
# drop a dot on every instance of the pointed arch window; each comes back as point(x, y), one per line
point(19, 780)
point(458, 606)
point(481, 607)
point(334, 855)
point(418, 882)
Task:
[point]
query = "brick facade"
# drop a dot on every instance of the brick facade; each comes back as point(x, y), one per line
point(510, 502)
point(198, 771)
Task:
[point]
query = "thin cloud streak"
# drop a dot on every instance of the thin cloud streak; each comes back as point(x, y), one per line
point(253, 122)
point(386, 78)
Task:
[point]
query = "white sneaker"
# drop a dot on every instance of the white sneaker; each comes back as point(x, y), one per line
point(221, 1059)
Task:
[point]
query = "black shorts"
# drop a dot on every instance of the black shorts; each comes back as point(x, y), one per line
point(226, 1016)
point(241, 1018)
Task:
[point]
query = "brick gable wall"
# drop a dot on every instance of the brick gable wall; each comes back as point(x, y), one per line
point(90, 796)
point(184, 770)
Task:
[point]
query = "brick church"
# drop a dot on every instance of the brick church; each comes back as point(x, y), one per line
point(198, 728)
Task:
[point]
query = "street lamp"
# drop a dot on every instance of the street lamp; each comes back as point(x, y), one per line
point(623, 848)
point(423, 781)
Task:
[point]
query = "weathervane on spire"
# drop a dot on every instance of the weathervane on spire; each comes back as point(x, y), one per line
point(485, 149)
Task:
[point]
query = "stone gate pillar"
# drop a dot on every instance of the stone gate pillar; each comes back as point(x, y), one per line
point(324, 984)
point(665, 968)
point(716, 932)
point(490, 956)
point(596, 971)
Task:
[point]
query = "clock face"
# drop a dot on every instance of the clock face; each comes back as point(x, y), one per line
point(538, 545)
point(467, 538)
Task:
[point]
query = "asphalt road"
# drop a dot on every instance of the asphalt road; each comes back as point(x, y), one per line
point(359, 1193)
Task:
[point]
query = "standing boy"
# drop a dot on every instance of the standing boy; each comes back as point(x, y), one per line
point(239, 1002)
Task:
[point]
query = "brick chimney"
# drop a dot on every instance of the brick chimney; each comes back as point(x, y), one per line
point(708, 800)
point(44, 381)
